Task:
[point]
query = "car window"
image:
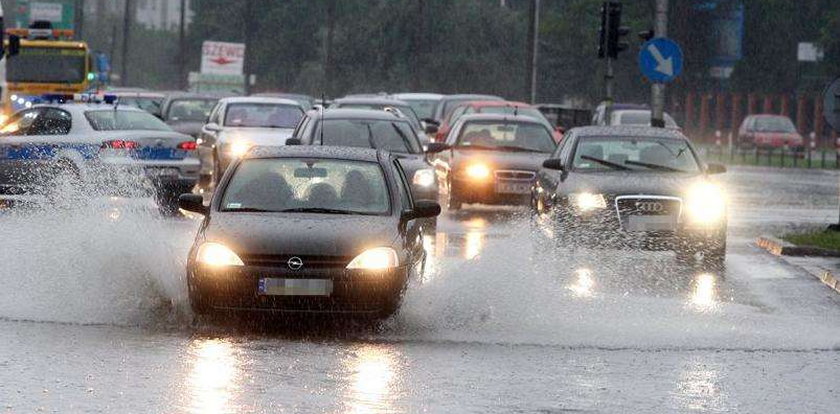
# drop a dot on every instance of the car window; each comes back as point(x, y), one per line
point(456, 113)
point(52, 121)
point(20, 123)
point(633, 153)
point(394, 136)
point(406, 111)
point(300, 126)
point(423, 108)
point(402, 184)
point(306, 186)
point(148, 104)
point(509, 110)
point(565, 147)
point(774, 124)
point(525, 135)
point(262, 115)
point(124, 120)
point(197, 110)
point(639, 118)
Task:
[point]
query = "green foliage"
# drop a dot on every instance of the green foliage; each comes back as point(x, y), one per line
point(824, 239)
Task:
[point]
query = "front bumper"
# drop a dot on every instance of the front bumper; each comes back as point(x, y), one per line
point(486, 192)
point(353, 291)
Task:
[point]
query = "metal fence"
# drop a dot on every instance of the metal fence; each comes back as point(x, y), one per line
point(781, 157)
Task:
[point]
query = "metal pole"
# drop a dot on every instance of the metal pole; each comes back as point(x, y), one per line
point(182, 46)
point(535, 45)
point(658, 89)
point(249, 44)
point(125, 42)
point(80, 19)
point(609, 76)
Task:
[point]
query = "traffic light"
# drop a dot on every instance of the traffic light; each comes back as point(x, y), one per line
point(615, 42)
point(602, 32)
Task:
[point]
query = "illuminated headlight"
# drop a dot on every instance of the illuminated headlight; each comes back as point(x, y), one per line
point(239, 148)
point(378, 258)
point(424, 178)
point(589, 201)
point(217, 254)
point(705, 204)
point(478, 171)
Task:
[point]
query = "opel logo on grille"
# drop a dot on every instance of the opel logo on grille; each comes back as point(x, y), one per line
point(650, 206)
point(295, 263)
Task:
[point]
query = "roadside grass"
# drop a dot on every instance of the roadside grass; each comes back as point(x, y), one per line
point(824, 239)
point(819, 158)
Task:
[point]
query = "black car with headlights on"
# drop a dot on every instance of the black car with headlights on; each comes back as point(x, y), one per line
point(491, 158)
point(632, 187)
point(307, 230)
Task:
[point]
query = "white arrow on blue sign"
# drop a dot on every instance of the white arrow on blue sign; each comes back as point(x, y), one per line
point(661, 60)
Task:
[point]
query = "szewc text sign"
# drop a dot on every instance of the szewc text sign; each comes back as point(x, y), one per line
point(222, 58)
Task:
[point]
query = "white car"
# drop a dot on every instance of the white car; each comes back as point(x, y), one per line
point(237, 124)
point(638, 117)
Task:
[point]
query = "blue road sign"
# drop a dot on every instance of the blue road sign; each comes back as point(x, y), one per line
point(661, 60)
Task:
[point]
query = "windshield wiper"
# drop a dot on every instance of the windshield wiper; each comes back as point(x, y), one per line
point(516, 148)
point(605, 162)
point(655, 166)
point(320, 210)
point(250, 210)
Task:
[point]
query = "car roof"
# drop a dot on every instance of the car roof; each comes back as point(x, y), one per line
point(371, 101)
point(769, 116)
point(632, 131)
point(352, 113)
point(472, 97)
point(499, 117)
point(482, 104)
point(87, 106)
point(189, 95)
point(317, 151)
point(258, 99)
point(143, 94)
point(418, 95)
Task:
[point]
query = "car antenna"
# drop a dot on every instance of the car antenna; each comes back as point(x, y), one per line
point(323, 121)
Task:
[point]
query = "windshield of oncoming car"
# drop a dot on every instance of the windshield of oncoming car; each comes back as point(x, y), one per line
point(634, 153)
point(190, 109)
point(124, 120)
point(774, 124)
point(394, 136)
point(523, 135)
point(307, 186)
point(262, 115)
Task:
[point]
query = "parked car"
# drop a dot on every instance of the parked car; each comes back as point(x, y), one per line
point(769, 131)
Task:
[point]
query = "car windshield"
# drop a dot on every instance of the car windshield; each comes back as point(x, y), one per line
point(117, 120)
point(774, 124)
point(405, 110)
point(148, 104)
point(526, 136)
point(641, 118)
point(509, 110)
point(394, 136)
point(634, 153)
point(424, 108)
point(190, 109)
point(299, 185)
point(262, 115)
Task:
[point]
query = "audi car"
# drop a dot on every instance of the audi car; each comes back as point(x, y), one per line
point(632, 187)
point(306, 229)
point(491, 159)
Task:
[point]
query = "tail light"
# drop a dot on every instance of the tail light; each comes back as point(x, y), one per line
point(188, 146)
point(120, 144)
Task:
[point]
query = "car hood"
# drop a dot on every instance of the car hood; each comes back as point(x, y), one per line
point(300, 233)
point(192, 128)
point(624, 183)
point(502, 160)
point(257, 136)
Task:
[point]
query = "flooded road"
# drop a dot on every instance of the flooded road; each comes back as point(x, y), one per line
point(94, 319)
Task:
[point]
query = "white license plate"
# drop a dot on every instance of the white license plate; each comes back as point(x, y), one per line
point(651, 223)
point(513, 188)
point(162, 172)
point(295, 287)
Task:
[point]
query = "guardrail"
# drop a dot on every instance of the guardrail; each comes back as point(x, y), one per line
point(781, 157)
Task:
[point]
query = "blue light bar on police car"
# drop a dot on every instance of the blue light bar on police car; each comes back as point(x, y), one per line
point(79, 97)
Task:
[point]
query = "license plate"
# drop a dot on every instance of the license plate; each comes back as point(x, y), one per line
point(513, 188)
point(295, 287)
point(651, 223)
point(162, 172)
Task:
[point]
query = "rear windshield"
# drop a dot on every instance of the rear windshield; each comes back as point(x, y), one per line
point(263, 115)
point(406, 111)
point(190, 109)
point(368, 133)
point(774, 124)
point(148, 104)
point(116, 120)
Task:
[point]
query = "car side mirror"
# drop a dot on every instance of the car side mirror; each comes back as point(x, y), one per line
point(293, 141)
point(436, 147)
point(213, 127)
point(553, 164)
point(193, 202)
point(422, 209)
point(715, 169)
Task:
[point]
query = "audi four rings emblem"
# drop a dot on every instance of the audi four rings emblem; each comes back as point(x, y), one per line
point(295, 263)
point(650, 206)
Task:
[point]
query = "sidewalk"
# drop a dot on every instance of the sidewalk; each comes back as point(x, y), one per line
point(820, 263)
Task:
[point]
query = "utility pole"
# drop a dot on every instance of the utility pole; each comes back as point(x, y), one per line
point(127, 15)
point(79, 19)
point(249, 44)
point(328, 46)
point(533, 49)
point(657, 90)
point(182, 46)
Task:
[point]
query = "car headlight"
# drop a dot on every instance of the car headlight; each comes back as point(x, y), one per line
point(424, 177)
point(217, 254)
point(478, 171)
point(375, 259)
point(589, 201)
point(705, 203)
point(239, 148)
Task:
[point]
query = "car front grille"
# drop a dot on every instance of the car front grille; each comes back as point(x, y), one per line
point(515, 175)
point(661, 212)
point(309, 261)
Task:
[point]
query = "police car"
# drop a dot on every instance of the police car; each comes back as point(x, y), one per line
point(92, 139)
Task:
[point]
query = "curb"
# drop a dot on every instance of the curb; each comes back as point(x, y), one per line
point(780, 247)
point(830, 280)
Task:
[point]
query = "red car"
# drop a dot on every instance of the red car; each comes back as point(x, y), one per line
point(494, 107)
point(769, 131)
